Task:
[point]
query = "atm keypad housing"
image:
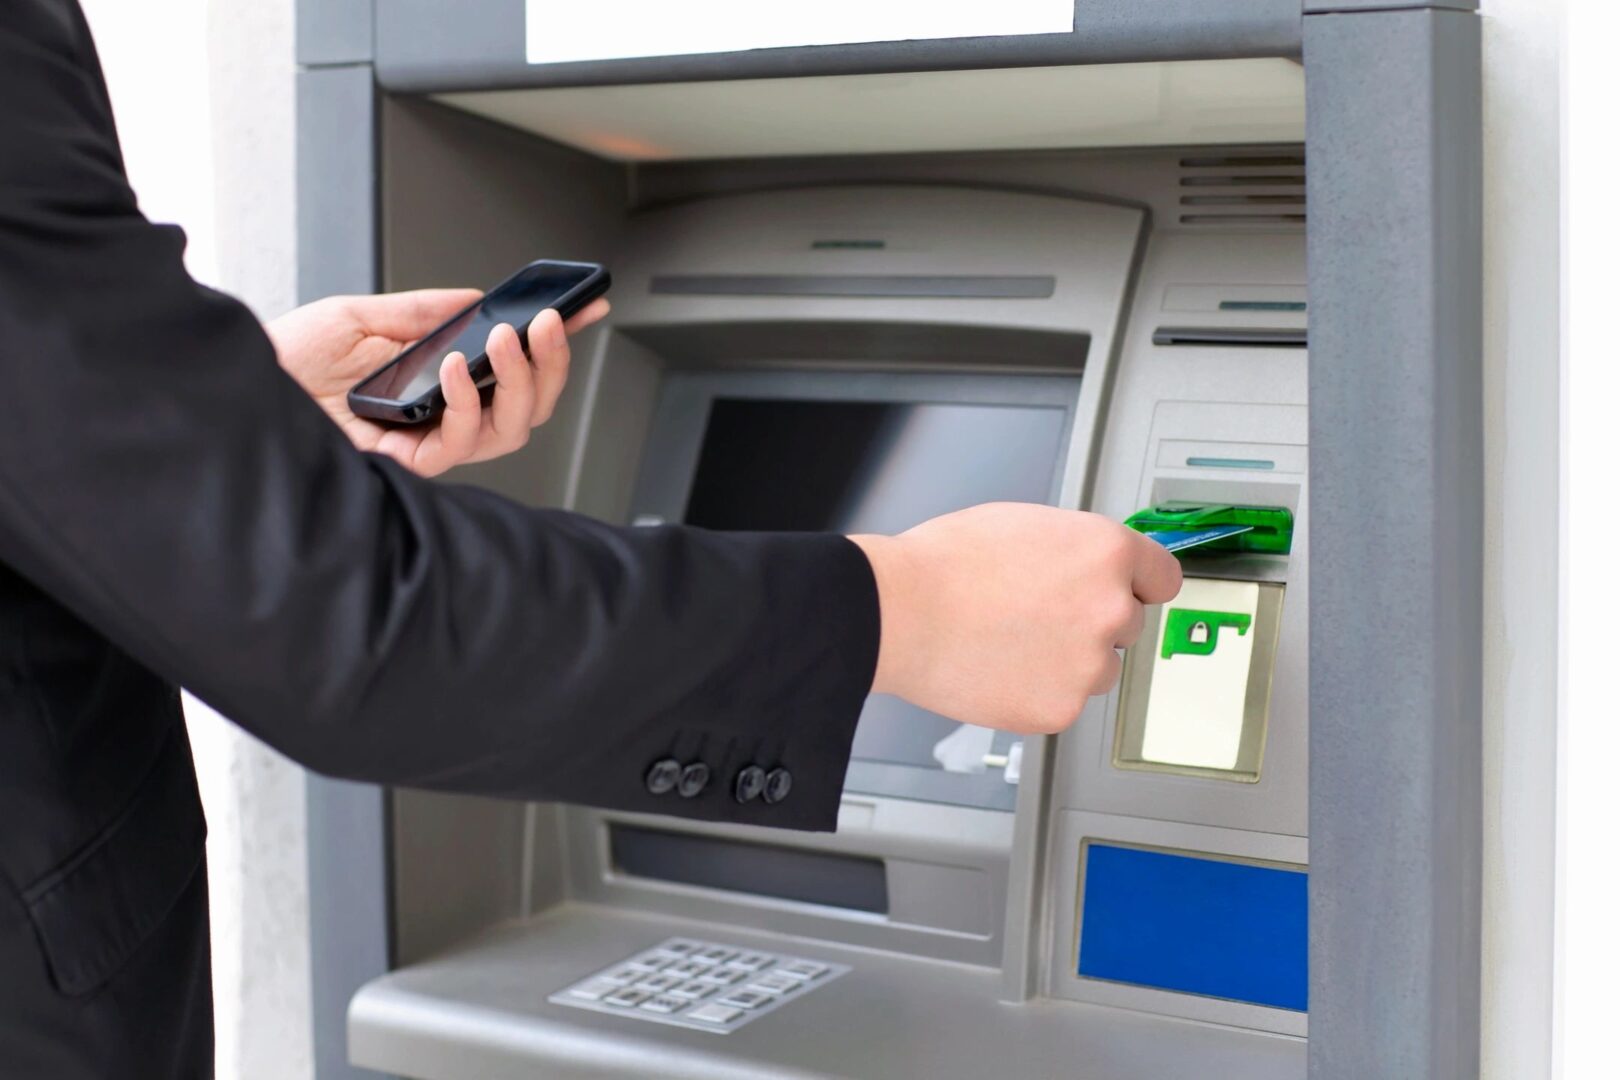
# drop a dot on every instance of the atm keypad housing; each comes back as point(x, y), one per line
point(701, 985)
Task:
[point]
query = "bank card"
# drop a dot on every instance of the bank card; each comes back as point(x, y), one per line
point(1181, 540)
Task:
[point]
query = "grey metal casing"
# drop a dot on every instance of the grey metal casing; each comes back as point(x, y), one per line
point(653, 331)
point(1353, 70)
point(1398, 519)
point(425, 45)
point(349, 931)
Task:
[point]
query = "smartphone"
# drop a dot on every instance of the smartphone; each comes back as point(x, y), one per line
point(406, 390)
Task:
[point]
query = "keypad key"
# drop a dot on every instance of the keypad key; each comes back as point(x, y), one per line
point(687, 969)
point(750, 961)
point(681, 946)
point(746, 999)
point(627, 997)
point(773, 984)
point(647, 964)
point(623, 976)
point(714, 954)
point(663, 1004)
point(802, 969)
point(657, 984)
point(714, 1013)
point(723, 976)
point(693, 991)
point(595, 990)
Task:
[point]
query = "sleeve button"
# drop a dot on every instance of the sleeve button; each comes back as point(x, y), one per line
point(663, 776)
point(694, 778)
point(777, 785)
point(750, 782)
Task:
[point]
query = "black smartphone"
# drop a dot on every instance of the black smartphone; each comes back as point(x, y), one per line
point(406, 390)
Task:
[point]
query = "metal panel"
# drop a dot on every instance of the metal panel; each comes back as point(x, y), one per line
point(333, 31)
point(337, 182)
point(1394, 140)
point(348, 823)
point(428, 45)
point(481, 1010)
point(1313, 7)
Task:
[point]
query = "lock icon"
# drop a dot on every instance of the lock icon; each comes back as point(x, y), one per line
point(1193, 632)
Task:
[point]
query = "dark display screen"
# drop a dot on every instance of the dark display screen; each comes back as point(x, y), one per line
point(875, 467)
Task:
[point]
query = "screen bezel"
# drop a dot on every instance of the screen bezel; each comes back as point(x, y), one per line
point(669, 466)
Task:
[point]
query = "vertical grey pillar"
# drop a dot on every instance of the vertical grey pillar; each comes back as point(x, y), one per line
point(349, 920)
point(1394, 190)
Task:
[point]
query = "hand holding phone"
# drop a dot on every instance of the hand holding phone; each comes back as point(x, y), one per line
point(407, 390)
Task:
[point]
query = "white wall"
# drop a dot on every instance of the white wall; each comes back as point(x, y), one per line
point(1522, 331)
point(1590, 812)
point(203, 94)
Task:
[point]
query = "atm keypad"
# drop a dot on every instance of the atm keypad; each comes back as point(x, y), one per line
point(698, 984)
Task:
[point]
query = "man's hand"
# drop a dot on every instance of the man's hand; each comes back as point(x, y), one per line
point(330, 345)
point(1009, 615)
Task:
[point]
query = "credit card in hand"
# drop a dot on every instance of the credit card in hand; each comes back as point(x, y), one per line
point(1176, 540)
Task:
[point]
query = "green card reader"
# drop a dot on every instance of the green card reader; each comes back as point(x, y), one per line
point(1217, 527)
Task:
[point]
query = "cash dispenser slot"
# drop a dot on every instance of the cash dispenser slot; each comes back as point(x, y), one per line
point(828, 879)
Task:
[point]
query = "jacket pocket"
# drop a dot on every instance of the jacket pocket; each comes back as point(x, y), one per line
point(96, 909)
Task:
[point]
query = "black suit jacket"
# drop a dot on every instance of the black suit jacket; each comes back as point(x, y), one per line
point(173, 509)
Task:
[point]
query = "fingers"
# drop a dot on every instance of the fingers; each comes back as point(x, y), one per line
point(463, 410)
point(406, 316)
point(1107, 677)
point(593, 312)
point(1125, 636)
point(1157, 575)
point(549, 355)
point(513, 404)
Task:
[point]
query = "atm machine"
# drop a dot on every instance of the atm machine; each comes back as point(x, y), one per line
point(859, 283)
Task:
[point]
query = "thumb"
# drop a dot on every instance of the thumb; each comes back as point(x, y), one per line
point(406, 316)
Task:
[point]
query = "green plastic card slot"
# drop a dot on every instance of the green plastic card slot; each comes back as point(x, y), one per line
point(1268, 530)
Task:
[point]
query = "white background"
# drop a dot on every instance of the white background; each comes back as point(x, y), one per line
point(1590, 789)
point(203, 91)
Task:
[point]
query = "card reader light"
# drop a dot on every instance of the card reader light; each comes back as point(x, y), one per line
point(1267, 530)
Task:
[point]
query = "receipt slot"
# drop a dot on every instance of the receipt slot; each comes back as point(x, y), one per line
point(1197, 687)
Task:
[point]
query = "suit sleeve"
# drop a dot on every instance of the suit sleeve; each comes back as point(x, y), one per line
point(161, 477)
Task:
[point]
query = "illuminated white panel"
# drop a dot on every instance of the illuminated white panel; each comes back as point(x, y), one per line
point(1196, 691)
point(1196, 702)
point(562, 31)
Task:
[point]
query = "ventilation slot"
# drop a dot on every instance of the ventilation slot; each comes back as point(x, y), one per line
point(1243, 191)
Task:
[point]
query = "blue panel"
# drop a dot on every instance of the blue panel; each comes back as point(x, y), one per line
point(1199, 926)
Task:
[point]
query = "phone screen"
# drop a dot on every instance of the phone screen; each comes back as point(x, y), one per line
point(516, 301)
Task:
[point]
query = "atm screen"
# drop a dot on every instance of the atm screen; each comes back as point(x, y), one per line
point(875, 466)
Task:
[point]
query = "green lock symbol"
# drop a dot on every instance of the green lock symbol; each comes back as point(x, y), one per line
point(1193, 632)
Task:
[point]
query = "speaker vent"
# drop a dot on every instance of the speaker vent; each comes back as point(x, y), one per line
point(1265, 190)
